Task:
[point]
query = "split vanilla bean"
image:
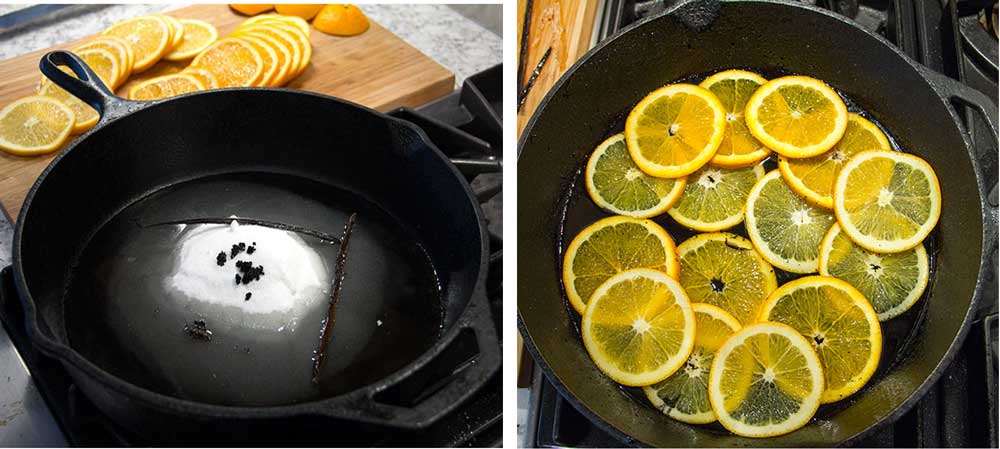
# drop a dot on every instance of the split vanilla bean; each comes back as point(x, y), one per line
point(331, 312)
point(250, 221)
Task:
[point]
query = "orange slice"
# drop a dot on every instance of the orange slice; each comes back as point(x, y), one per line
point(35, 125)
point(733, 88)
point(116, 46)
point(268, 57)
point(104, 64)
point(283, 53)
point(797, 116)
point(86, 116)
point(176, 31)
point(233, 62)
point(203, 76)
point(198, 35)
point(288, 39)
point(149, 37)
point(165, 86)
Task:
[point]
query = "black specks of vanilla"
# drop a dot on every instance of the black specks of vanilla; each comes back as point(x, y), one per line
point(221, 258)
point(247, 272)
point(236, 249)
point(198, 330)
point(250, 272)
point(247, 297)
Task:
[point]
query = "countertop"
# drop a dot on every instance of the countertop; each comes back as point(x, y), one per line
point(454, 41)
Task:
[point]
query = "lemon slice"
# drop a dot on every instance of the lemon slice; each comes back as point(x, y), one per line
point(639, 327)
point(886, 201)
point(675, 130)
point(610, 246)
point(766, 380)
point(86, 116)
point(684, 395)
point(839, 322)
point(797, 116)
point(733, 88)
point(892, 283)
point(785, 228)
point(716, 198)
point(35, 125)
point(724, 270)
point(617, 185)
point(813, 177)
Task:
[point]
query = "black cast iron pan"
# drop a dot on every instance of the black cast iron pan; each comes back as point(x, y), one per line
point(590, 102)
point(110, 263)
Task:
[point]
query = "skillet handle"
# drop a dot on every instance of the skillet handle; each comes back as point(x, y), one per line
point(86, 86)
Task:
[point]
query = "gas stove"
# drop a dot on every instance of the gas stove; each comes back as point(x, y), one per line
point(958, 39)
point(464, 124)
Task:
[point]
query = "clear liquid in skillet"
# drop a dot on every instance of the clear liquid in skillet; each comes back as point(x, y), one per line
point(140, 285)
point(578, 211)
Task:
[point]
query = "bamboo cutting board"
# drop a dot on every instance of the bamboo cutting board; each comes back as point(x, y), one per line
point(376, 69)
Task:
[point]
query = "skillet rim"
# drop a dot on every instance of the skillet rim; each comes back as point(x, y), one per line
point(159, 401)
point(918, 393)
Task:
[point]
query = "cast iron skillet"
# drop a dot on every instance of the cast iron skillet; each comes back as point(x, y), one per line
point(139, 148)
point(590, 102)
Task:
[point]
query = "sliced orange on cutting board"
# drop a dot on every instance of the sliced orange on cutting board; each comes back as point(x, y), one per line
point(675, 130)
point(85, 116)
point(797, 116)
point(35, 125)
point(165, 86)
point(233, 62)
point(149, 36)
point(198, 35)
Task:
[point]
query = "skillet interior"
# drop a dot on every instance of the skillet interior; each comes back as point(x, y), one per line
point(589, 104)
point(306, 136)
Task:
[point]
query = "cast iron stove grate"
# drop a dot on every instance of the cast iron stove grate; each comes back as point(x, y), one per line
point(961, 410)
point(465, 123)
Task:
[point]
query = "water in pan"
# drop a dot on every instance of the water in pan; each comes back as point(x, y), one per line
point(578, 211)
point(147, 292)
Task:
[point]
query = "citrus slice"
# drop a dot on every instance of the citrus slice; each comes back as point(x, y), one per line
point(813, 177)
point(766, 380)
point(733, 88)
point(203, 76)
point(116, 46)
point(165, 86)
point(886, 201)
point(104, 64)
point(35, 125)
point(149, 37)
point(639, 327)
point(892, 283)
point(716, 198)
point(198, 35)
point(176, 32)
point(785, 228)
point(684, 395)
point(675, 130)
point(282, 52)
point(796, 116)
point(85, 117)
point(616, 184)
point(233, 62)
point(341, 20)
point(839, 322)
point(287, 40)
point(268, 56)
point(610, 246)
point(724, 270)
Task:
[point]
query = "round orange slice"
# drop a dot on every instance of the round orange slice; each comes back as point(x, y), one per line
point(268, 56)
point(203, 76)
point(288, 40)
point(149, 37)
point(165, 86)
point(104, 64)
point(176, 31)
point(281, 51)
point(115, 46)
point(35, 125)
point(233, 62)
point(675, 130)
point(797, 116)
point(198, 35)
point(86, 116)
point(733, 88)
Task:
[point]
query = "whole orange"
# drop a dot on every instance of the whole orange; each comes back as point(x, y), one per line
point(304, 11)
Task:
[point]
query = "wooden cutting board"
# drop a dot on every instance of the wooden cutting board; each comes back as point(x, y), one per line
point(376, 69)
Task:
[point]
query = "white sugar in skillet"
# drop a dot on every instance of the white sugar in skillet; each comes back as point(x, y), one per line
point(294, 276)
